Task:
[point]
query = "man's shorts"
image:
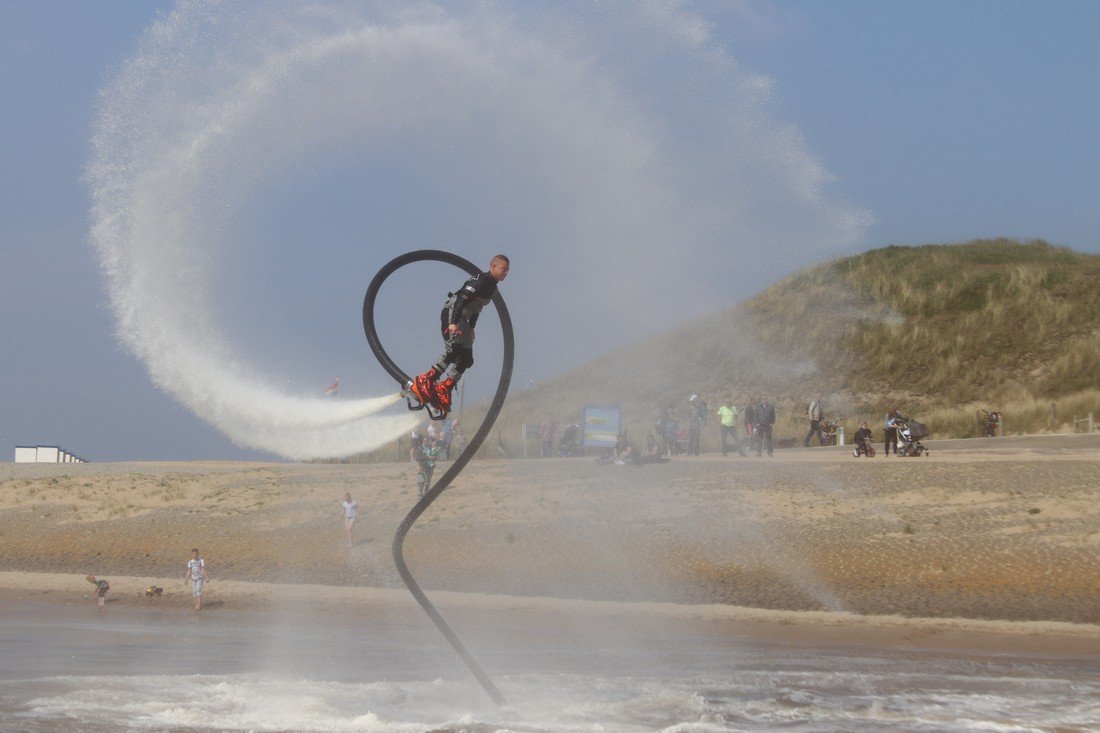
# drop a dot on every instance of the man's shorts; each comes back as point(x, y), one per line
point(196, 586)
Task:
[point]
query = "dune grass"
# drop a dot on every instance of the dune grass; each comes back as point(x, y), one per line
point(946, 330)
point(954, 323)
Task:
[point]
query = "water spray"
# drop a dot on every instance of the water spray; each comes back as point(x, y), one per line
point(622, 123)
point(431, 255)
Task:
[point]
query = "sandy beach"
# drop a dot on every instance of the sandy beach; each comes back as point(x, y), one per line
point(981, 540)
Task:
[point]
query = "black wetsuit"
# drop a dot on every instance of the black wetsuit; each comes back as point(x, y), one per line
point(462, 309)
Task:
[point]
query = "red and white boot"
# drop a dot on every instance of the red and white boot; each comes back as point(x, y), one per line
point(423, 386)
point(443, 394)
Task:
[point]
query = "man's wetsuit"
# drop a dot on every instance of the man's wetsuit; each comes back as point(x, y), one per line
point(462, 309)
point(457, 321)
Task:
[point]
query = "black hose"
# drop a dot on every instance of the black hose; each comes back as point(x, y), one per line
point(467, 452)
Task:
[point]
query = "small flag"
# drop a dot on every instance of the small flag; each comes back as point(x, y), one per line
point(333, 388)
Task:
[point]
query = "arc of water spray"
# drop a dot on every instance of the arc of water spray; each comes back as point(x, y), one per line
point(460, 462)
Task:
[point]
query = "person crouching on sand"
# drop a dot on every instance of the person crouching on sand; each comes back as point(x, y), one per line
point(196, 575)
point(101, 588)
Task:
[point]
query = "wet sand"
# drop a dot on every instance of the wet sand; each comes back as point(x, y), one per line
point(988, 537)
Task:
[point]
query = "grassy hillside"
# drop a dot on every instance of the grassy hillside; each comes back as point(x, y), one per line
point(937, 331)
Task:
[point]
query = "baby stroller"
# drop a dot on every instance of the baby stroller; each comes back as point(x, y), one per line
point(864, 447)
point(570, 442)
point(909, 434)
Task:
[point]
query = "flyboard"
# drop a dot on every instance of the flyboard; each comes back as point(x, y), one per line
point(433, 255)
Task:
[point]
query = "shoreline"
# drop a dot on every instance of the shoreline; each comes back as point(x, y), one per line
point(362, 603)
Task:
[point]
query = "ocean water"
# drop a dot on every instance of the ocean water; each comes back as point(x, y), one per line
point(81, 668)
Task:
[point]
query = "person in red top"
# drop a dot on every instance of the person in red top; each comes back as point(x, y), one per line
point(457, 321)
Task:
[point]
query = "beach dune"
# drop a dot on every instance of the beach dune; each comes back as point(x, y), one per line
point(981, 532)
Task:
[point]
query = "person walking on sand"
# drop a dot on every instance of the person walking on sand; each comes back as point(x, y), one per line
point(427, 455)
point(196, 576)
point(350, 511)
point(816, 415)
point(101, 587)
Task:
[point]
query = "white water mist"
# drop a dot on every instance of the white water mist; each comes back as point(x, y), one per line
point(614, 149)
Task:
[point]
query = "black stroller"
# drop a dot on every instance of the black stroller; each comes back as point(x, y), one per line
point(570, 442)
point(828, 431)
point(909, 434)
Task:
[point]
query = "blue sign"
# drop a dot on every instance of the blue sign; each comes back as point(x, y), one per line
point(602, 426)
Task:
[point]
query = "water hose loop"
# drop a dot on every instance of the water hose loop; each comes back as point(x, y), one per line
point(434, 255)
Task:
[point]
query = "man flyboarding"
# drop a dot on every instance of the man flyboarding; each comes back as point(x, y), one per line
point(457, 321)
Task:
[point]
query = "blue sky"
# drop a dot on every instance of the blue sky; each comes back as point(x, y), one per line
point(905, 123)
point(948, 120)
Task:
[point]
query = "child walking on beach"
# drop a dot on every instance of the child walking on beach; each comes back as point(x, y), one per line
point(196, 576)
point(350, 512)
point(101, 588)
